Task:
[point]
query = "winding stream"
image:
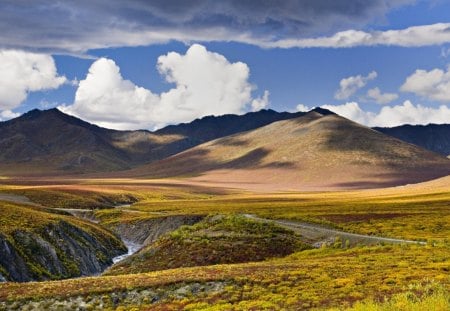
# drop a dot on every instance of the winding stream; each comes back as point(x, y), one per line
point(132, 248)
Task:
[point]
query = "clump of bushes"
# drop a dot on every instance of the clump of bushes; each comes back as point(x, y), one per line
point(218, 239)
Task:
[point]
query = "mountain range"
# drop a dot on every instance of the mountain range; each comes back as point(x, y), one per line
point(51, 141)
point(434, 137)
point(291, 150)
point(313, 151)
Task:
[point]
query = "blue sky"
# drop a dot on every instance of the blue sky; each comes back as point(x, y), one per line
point(383, 63)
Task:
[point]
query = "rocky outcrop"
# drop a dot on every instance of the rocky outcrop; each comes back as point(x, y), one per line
point(11, 263)
point(58, 250)
point(146, 231)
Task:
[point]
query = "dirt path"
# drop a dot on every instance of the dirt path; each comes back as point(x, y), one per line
point(318, 235)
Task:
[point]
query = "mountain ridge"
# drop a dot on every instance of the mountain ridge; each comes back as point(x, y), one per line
point(60, 143)
point(434, 137)
point(312, 151)
point(52, 142)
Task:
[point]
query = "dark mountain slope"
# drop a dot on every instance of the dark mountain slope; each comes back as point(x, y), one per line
point(52, 142)
point(433, 137)
point(212, 127)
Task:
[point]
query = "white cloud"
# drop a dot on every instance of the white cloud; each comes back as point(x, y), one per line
point(415, 36)
point(303, 108)
point(205, 83)
point(8, 114)
point(381, 98)
point(261, 102)
point(350, 85)
point(406, 113)
point(433, 84)
point(352, 111)
point(23, 72)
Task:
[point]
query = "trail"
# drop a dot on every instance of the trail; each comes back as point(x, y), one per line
point(318, 235)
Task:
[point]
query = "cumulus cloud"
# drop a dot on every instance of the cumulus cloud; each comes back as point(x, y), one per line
point(8, 114)
point(350, 85)
point(261, 102)
point(406, 113)
point(21, 73)
point(303, 108)
point(433, 84)
point(205, 83)
point(77, 26)
point(381, 98)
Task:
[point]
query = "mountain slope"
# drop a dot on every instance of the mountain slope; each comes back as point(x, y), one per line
point(309, 152)
point(38, 245)
point(433, 137)
point(51, 139)
point(52, 142)
point(212, 127)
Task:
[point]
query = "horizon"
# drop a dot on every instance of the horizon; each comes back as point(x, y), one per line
point(210, 116)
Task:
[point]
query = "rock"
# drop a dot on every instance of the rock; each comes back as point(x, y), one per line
point(147, 231)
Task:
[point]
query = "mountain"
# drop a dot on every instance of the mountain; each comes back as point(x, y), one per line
point(313, 151)
point(50, 141)
point(212, 127)
point(433, 137)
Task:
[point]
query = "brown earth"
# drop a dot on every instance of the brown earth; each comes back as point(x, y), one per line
point(312, 152)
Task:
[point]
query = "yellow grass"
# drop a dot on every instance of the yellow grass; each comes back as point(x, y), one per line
point(319, 278)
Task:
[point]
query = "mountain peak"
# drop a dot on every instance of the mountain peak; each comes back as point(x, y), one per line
point(50, 117)
point(36, 113)
point(322, 111)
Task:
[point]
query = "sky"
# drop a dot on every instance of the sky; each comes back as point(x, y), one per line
point(146, 64)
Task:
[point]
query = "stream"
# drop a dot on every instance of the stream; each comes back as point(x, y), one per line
point(132, 248)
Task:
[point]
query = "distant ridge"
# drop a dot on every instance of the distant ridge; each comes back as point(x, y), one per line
point(212, 127)
point(434, 137)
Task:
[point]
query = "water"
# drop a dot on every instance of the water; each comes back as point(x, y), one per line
point(132, 248)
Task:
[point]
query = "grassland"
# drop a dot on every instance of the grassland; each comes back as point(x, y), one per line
point(408, 275)
point(314, 278)
point(408, 213)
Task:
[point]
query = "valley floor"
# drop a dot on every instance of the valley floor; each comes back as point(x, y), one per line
point(405, 263)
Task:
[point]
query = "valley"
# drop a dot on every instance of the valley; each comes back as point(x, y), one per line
point(225, 155)
point(188, 267)
point(311, 211)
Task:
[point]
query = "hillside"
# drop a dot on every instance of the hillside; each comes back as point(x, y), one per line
point(51, 142)
point(38, 245)
point(314, 151)
point(434, 137)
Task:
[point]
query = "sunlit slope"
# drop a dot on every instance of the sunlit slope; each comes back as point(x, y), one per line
point(314, 151)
